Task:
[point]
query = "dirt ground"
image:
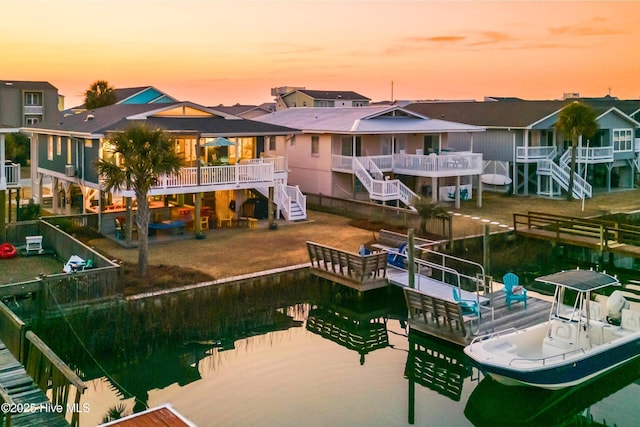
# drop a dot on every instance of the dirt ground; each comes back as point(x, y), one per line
point(230, 252)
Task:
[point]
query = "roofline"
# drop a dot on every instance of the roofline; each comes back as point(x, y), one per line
point(144, 90)
point(620, 112)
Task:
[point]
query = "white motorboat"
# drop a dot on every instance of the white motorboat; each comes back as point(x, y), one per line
point(576, 343)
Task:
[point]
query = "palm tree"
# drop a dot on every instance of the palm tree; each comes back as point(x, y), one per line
point(576, 120)
point(428, 209)
point(99, 94)
point(145, 154)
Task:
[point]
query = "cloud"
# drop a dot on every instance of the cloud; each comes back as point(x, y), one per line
point(587, 30)
point(416, 43)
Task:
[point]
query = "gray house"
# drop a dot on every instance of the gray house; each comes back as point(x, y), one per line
point(522, 143)
point(23, 103)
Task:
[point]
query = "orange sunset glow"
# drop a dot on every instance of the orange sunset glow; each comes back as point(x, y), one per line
point(214, 52)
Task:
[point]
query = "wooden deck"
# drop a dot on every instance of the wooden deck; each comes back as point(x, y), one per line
point(600, 235)
point(431, 315)
point(360, 272)
point(17, 388)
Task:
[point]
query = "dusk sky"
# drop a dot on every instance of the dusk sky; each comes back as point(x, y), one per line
point(224, 52)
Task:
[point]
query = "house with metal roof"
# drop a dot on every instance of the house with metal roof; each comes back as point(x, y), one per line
point(522, 143)
point(383, 153)
point(297, 97)
point(64, 153)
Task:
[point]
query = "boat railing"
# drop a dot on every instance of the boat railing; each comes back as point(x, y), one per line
point(545, 359)
point(491, 335)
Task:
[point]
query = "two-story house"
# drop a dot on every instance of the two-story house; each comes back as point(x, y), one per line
point(522, 139)
point(23, 103)
point(384, 153)
point(296, 97)
point(219, 176)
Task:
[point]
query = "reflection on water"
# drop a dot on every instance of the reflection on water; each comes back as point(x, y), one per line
point(288, 354)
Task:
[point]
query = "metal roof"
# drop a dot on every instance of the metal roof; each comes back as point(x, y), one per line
point(114, 117)
point(360, 120)
point(580, 280)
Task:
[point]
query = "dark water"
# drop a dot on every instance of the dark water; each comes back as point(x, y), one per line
point(307, 354)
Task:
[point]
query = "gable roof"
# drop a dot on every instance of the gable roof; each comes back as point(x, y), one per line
point(512, 113)
point(333, 94)
point(174, 117)
point(371, 120)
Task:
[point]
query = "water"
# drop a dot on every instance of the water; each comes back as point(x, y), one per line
point(325, 359)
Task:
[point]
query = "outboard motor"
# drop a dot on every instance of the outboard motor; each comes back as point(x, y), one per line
point(615, 304)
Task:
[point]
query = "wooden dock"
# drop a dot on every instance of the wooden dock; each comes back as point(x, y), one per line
point(599, 235)
point(17, 389)
point(360, 272)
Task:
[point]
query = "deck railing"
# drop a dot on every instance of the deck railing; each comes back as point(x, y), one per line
point(49, 372)
point(258, 172)
point(445, 164)
point(359, 268)
point(524, 154)
point(12, 174)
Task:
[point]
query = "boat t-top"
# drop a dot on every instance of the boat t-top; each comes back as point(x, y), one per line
point(579, 341)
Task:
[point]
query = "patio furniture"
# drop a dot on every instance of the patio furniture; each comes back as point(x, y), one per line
point(226, 220)
point(513, 292)
point(253, 223)
point(468, 306)
point(204, 223)
point(34, 243)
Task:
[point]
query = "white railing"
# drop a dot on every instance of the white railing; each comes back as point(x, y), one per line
point(445, 164)
point(12, 173)
point(278, 162)
point(371, 166)
point(342, 163)
point(561, 173)
point(212, 175)
point(383, 189)
point(295, 196)
point(383, 162)
point(524, 154)
point(588, 155)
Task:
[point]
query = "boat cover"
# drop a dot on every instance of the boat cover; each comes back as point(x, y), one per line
point(580, 280)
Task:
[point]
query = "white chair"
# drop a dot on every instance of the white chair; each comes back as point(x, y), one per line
point(34, 243)
point(419, 151)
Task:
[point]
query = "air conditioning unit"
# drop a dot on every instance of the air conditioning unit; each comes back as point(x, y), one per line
point(70, 170)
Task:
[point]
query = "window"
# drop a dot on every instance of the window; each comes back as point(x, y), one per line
point(272, 143)
point(32, 98)
point(50, 147)
point(622, 140)
point(315, 145)
point(32, 120)
point(58, 146)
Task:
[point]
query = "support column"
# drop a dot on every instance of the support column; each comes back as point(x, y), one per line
point(434, 189)
point(457, 192)
point(479, 191)
point(128, 233)
point(197, 225)
point(270, 218)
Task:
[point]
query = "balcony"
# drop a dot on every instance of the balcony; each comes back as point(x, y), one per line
point(11, 175)
point(590, 155)
point(455, 163)
point(219, 177)
point(533, 154)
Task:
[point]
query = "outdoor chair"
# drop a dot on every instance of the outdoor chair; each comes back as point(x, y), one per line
point(468, 306)
point(513, 292)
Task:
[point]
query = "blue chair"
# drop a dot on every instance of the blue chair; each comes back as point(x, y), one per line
point(468, 306)
point(398, 258)
point(513, 292)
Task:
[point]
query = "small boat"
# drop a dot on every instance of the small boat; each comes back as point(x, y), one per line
point(577, 342)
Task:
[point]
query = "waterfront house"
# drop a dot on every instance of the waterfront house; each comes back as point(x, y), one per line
point(387, 154)
point(24, 103)
point(217, 177)
point(521, 142)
